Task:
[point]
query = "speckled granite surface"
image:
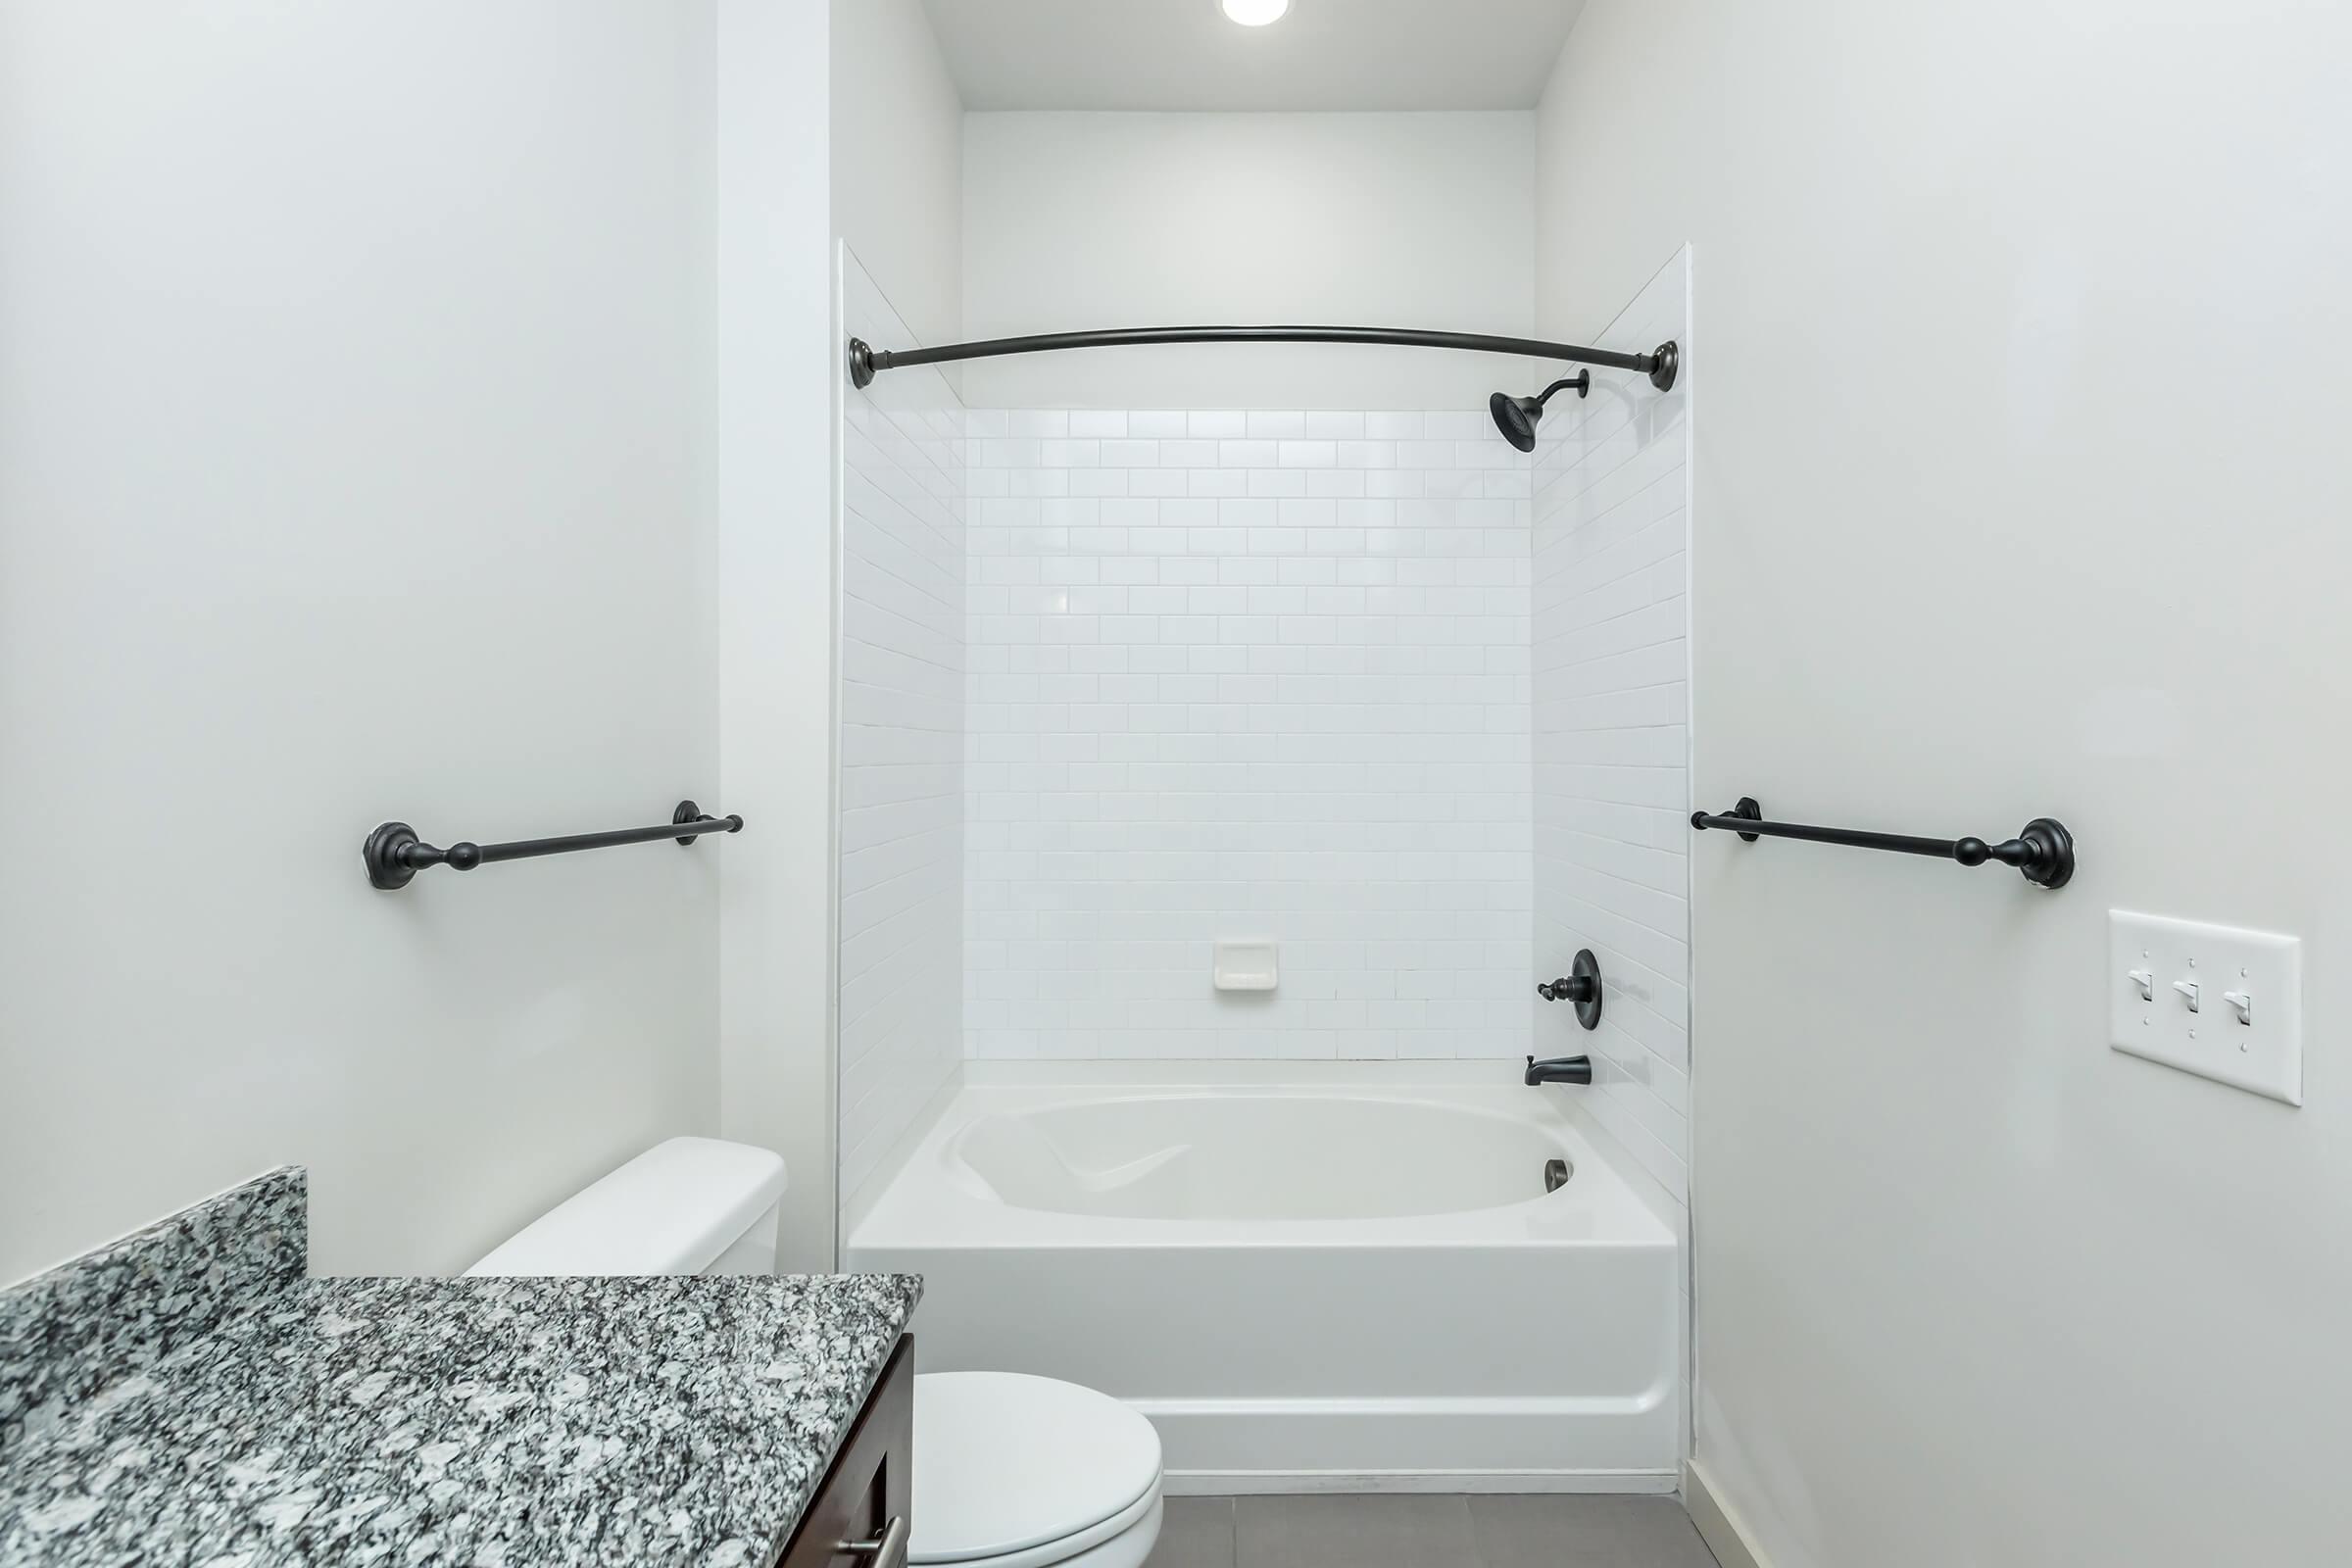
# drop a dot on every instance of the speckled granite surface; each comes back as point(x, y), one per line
point(66, 1334)
point(443, 1421)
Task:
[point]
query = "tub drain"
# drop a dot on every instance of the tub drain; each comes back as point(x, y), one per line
point(1556, 1173)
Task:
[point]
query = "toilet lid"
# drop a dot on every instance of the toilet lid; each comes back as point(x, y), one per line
point(1005, 1462)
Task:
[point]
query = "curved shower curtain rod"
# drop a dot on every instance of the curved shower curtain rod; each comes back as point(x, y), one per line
point(1659, 364)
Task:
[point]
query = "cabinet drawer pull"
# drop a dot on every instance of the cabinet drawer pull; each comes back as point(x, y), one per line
point(888, 1553)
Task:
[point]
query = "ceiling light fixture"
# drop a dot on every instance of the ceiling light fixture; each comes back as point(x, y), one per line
point(1255, 13)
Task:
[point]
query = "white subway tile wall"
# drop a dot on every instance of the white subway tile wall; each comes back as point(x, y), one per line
point(1255, 675)
point(901, 744)
point(1612, 793)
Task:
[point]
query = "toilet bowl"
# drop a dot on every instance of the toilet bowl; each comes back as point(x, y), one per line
point(1011, 1471)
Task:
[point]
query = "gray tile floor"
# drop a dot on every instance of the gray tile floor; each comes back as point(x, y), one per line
point(1393, 1531)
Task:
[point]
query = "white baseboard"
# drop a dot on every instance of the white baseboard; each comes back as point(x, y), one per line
point(1285, 1483)
point(1726, 1537)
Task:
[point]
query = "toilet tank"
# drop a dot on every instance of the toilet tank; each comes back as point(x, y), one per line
point(691, 1205)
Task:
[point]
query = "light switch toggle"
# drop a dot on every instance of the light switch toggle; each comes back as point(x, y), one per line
point(2189, 988)
point(2243, 1002)
point(2145, 979)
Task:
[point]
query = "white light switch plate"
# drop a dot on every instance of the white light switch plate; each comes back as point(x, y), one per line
point(2256, 1045)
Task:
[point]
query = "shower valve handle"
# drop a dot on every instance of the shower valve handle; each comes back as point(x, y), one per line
point(1580, 984)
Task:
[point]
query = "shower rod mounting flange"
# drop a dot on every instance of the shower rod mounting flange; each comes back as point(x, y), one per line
point(1669, 359)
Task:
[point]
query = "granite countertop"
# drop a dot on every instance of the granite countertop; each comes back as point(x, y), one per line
point(215, 1409)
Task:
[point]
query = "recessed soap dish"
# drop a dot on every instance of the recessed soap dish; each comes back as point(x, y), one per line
point(1246, 967)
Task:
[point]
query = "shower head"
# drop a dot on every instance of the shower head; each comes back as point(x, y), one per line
point(1516, 417)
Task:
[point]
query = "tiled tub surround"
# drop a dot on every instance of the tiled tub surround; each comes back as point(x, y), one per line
point(901, 742)
point(1612, 792)
point(186, 1395)
point(1246, 675)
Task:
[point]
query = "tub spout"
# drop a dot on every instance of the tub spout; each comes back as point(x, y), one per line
point(1560, 1071)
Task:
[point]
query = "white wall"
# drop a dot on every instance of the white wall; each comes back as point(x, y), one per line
point(896, 153)
point(1611, 731)
point(351, 403)
point(897, 160)
point(1081, 221)
point(901, 744)
point(1245, 675)
point(2022, 342)
point(777, 384)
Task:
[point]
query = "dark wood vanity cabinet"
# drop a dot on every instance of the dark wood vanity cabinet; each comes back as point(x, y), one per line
point(861, 1513)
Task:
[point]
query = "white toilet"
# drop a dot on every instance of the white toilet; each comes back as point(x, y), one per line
point(1012, 1471)
point(1009, 1471)
point(691, 1205)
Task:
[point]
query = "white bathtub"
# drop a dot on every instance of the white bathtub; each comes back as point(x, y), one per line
point(1303, 1284)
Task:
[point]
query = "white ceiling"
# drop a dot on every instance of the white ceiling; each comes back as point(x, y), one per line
point(1183, 53)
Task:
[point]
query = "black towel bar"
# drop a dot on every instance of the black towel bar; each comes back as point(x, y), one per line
point(2044, 851)
point(394, 853)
